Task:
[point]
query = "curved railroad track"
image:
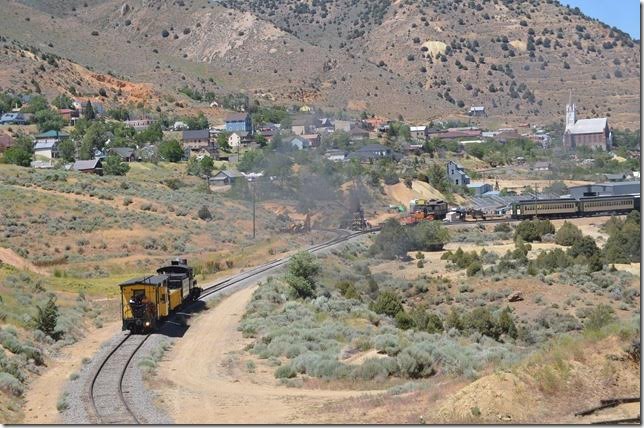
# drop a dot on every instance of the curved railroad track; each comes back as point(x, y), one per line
point(108, 396)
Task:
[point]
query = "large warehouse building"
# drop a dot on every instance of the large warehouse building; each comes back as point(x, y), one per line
point(605, 189)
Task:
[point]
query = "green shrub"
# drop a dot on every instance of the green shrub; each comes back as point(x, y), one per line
point(62, 404)
point(474, 268)
point(375, 368)
point(585, 246)
point(414, 362)
point(503, 228)
point(10, 384)
point(600, 316)
point(388, 303)
point(567, 234)
point(204, 213)
point(300, 287)
point(285, 372)
point(404, 321)
point(348, 290)
point(425, 320)
point(533, 230)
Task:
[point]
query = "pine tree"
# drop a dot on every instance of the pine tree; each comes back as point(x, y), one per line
point(46, 317)
point(88, 111)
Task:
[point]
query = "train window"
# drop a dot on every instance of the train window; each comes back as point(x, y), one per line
point(136, 293)
point(162, 297)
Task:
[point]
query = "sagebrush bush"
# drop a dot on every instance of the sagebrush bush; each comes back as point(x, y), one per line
point(10, 385)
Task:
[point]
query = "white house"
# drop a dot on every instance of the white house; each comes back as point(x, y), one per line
point(234, 140)
point(300, 143)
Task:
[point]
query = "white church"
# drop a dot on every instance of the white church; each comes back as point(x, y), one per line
point(591, 133)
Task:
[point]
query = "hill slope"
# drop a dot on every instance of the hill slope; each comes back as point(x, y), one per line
point(421, 59)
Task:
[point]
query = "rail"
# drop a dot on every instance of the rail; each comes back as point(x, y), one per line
point(109, 404)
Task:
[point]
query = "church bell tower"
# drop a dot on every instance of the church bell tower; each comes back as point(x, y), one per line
point(571, 116)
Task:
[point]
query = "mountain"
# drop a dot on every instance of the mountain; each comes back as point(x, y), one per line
point(422, 59)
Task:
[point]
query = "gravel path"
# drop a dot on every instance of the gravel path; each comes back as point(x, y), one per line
point(140, 400)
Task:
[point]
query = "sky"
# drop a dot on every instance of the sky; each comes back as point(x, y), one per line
point(623, 14)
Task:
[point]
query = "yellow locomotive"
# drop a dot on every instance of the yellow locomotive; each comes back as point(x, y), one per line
point(146, 301)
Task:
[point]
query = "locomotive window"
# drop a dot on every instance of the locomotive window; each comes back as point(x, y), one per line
point(136, 293)
point(162, 297)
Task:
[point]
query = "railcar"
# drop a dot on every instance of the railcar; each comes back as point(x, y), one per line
point(562, 208)
point(427, 209)
point(146, 301)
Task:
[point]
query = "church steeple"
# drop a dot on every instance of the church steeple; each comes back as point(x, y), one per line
point(571, 115)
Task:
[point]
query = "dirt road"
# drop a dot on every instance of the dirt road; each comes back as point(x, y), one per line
point(45, 390)
point(202, 381)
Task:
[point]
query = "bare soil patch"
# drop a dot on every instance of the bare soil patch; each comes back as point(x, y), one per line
point(45, 390)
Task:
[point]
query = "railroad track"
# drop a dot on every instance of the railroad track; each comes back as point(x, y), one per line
point(218, 286)
point(107, 393)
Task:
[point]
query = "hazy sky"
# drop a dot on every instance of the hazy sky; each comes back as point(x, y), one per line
point(623, 14)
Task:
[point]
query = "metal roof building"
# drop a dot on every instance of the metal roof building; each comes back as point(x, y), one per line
point(605, 189)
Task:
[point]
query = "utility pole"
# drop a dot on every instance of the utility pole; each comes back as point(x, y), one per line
point(252, 178)
point(254, 195)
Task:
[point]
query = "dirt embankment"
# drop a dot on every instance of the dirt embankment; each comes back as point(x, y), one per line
point(10, 257)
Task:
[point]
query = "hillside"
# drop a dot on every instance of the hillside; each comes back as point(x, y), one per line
point(418, 59)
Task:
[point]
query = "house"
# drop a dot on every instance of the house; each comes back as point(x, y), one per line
point(615, 177)
point(358, 134)
point(5, 142)
point(506, 135)
point(81, 106)
point(591, 133)
point(305, 109)
point(140, 124)
point(237, 138)
point(477, 111)
point(336, 155)
point(343, 125)
point(479, 189)
point(126, 154)
point(373, 123)
point(48, 149)
point(225, 177)
point(455, 133)
point(314, 139)
point(300, 143)
point(197, 142)
point(92, 166)
point(196, 138)
point(301, 127)
point(51, 136)
point(13, 118)
point(541, 166)
point(372, 152)
point(239, 122)
point(456, 174)
point(46, 144)
point(179, 126)
point(149, 153)
point(418, 132)
point(68, 114)
point(323, 125)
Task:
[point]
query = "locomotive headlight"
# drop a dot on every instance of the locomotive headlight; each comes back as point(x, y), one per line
point(147, 323)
